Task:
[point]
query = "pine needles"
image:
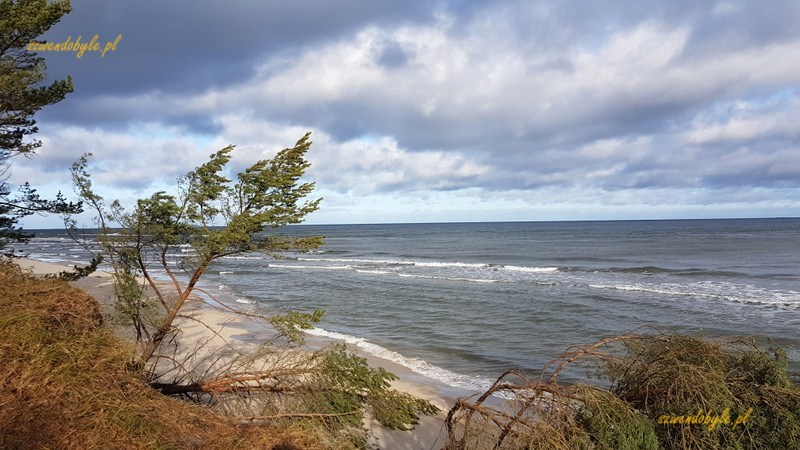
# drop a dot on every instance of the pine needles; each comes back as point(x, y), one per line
point(664, 391)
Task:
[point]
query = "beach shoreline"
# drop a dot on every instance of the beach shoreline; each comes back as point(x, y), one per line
point(216, 326)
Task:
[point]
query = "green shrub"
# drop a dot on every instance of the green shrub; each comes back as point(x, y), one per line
point(665, 391)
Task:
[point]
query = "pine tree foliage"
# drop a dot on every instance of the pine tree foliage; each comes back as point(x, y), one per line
point(213, 215)
point(22, 94)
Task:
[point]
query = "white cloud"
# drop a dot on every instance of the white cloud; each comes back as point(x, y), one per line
point(144, 155)
point(747, 122)
point(360, 165)
point(382, 165)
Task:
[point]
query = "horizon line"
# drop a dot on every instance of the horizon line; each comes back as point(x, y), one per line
point(498, 221)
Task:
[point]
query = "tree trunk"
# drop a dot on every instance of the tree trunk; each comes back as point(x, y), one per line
point(166, 326)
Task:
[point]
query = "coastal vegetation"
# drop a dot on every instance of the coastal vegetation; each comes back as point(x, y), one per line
point(67, 384)
point(657, 390)
point(22, 93)
point(179, 237)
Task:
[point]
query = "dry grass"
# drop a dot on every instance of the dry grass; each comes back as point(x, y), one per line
point(66, 384)
point(651, 377)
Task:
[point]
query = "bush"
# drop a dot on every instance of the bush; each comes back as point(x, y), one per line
point(665, 390)
point(676, 375)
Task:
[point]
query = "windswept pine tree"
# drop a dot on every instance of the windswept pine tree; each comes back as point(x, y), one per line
point(215, 217)
point(22, 94)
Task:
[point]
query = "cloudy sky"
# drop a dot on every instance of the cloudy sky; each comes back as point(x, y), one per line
point(443, 111)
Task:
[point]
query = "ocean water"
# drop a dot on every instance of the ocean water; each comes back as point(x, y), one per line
point(462, 303)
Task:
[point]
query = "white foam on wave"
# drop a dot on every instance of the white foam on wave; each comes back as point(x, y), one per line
point(242, 257)
point(383, 272)
point(225, 272)
point(359, 261)
point(244, 301)
point(430, 264)
point(376, 272)
point(417, 365)
point(431, 277)
point(450, 264)
point(38, 239)
point(306, 267)
point(531, 269)
point(730, 292)
point(401, 262)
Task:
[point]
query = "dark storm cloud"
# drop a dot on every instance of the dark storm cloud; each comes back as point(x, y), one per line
point(190, 47)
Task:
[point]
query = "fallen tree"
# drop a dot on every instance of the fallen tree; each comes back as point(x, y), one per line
point(664, 390)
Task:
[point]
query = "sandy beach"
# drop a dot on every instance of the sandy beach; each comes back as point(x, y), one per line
point(213, 327)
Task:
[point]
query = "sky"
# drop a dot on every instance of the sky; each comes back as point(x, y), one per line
point(429, 111)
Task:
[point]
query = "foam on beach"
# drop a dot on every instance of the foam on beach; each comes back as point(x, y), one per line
point(416, 365)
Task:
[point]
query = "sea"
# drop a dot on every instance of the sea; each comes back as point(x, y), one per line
point(460, 303)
